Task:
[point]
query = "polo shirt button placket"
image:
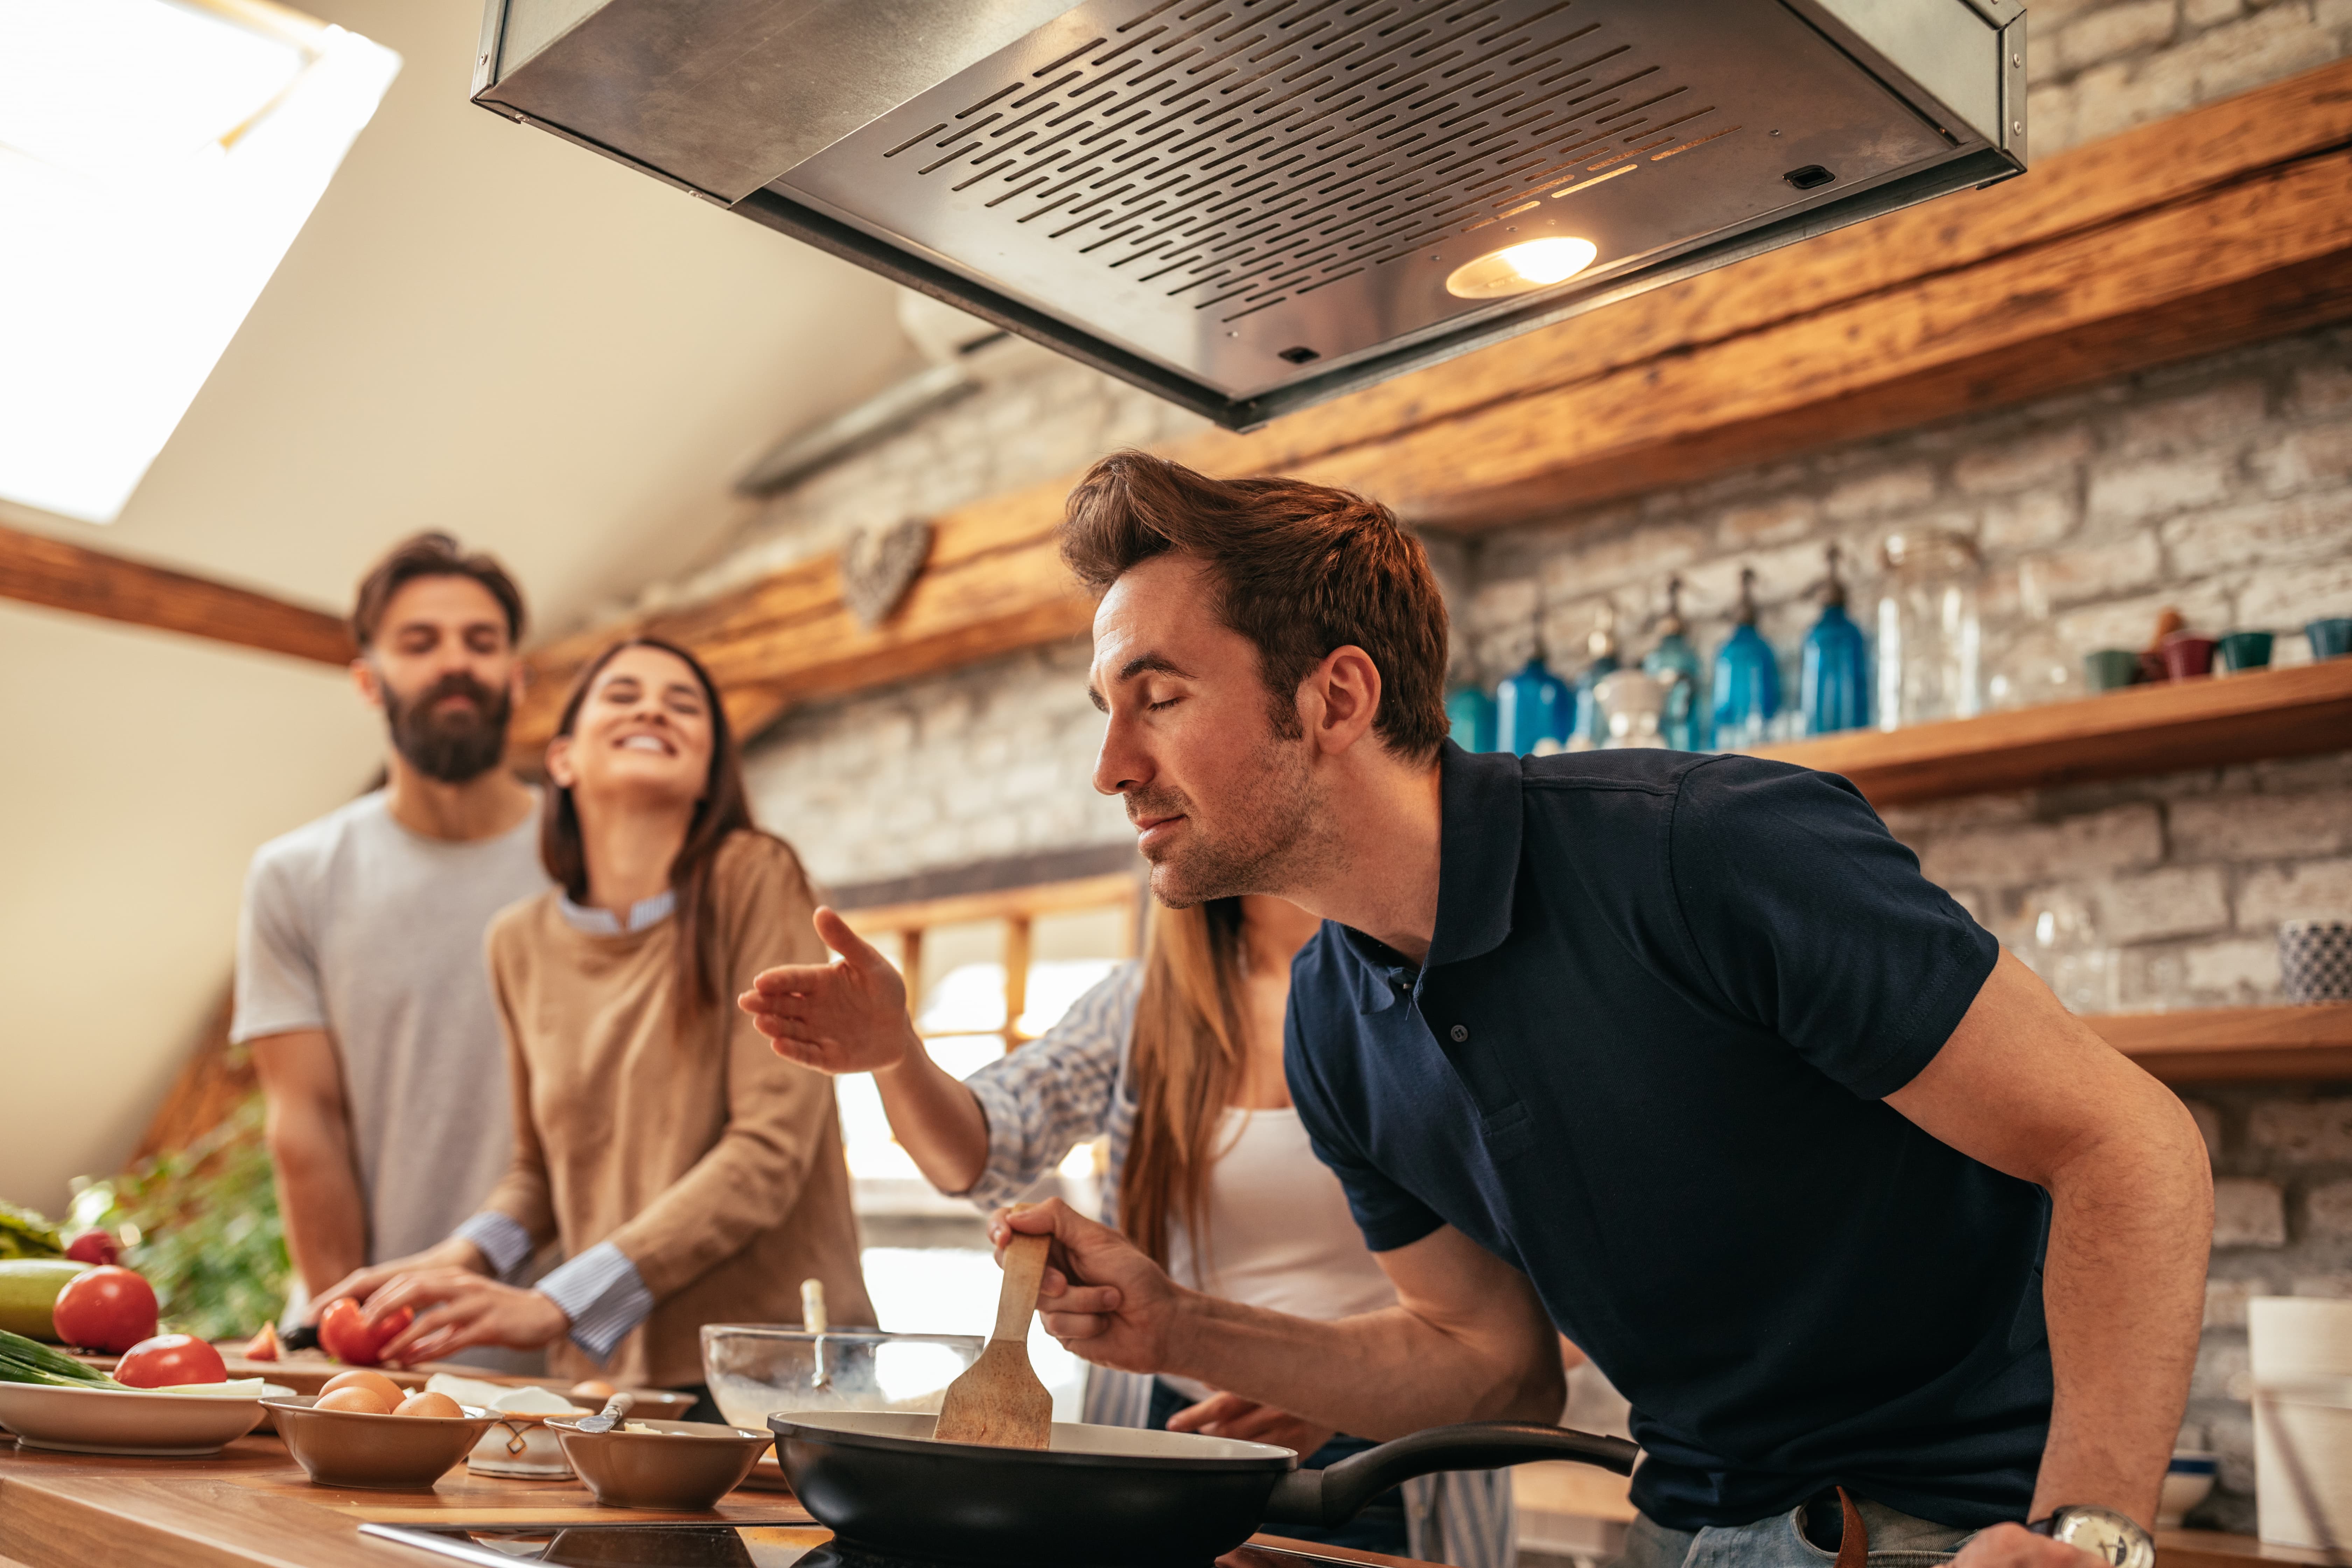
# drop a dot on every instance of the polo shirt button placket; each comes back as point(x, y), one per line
point(1461, 1033)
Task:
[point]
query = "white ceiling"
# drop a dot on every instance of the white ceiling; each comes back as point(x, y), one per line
point(481, 329)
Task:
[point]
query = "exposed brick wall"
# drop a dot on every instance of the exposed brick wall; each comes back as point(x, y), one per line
point(990, 761)
point(2282, 1226)
point(2097, 66)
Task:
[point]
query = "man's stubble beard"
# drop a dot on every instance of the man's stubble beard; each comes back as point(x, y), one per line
point(1276, 835)
point(453, 752)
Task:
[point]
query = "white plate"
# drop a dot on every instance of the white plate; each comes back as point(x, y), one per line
point(127, 1421)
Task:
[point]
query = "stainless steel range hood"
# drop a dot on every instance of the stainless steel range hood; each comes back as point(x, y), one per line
point(1250, 205)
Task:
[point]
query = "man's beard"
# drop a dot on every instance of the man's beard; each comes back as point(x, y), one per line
point(456, 746)
point(1271, 840)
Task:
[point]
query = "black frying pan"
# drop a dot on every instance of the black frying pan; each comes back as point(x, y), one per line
point(1112, 1494)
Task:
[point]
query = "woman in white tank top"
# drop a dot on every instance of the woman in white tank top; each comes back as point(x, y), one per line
point(1177, 1059)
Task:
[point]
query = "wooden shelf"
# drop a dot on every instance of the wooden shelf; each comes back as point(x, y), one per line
point(2117, 734)
point(2217, 1045)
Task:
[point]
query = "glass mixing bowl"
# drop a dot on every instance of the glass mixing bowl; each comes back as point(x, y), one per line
point(756, 1370)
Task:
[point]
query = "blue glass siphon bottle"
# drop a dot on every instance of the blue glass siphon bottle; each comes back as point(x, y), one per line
point(1470, 713)
point(1589, 724)
point(1674, 664)
point(1747, 677)
point(1530, 707)
point(1833, 682)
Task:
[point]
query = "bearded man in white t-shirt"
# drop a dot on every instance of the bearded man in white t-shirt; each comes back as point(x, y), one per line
point(361, 984)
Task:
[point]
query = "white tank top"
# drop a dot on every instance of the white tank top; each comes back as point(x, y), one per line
point(1280, 1235)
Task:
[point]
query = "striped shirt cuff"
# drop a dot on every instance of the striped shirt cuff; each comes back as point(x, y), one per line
point(601, 1293)
point(504, 1242)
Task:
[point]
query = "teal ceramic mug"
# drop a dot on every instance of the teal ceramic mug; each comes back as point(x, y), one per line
point(2110, 669)
point(2330, 638)
point(2244, 650)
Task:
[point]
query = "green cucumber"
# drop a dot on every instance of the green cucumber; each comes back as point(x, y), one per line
point(28, 1293)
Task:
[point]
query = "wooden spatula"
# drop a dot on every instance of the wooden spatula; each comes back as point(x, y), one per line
point(998, 1400)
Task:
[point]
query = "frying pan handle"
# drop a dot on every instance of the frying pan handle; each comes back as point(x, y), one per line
point(1334, 1495)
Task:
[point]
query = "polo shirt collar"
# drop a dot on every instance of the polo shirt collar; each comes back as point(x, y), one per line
point(1477, 868)
point(1477, 854)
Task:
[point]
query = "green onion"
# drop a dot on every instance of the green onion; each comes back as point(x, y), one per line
point(29, 1361)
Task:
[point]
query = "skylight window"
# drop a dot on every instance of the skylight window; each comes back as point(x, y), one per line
point(157, 158)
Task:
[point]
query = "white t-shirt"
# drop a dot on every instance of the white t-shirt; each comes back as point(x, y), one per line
point(354, 925)
point(1280, 1235)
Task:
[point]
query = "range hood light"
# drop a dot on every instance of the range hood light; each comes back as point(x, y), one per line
point(1521, 268)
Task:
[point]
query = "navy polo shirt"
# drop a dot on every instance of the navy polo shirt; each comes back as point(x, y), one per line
point(1645, 1064)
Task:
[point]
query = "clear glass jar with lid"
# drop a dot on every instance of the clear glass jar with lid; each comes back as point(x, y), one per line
point(1930, 641)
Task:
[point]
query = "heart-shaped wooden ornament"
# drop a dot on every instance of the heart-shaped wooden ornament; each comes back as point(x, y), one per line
point(879, 565)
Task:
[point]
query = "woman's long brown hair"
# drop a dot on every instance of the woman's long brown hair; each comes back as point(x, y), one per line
point(1186, 1061)
point(725, 808)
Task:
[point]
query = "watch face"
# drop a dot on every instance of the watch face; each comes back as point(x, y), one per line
point(2110, 1537)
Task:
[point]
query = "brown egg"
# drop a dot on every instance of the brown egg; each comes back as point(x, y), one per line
point(376, 1383)
point(354, 1398)
point(594, 1389)
point(436, 1404)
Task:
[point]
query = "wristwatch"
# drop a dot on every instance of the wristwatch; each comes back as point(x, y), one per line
point(2106, 1534)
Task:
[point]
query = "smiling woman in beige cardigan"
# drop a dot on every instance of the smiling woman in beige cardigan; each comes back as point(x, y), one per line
point(691, 1174)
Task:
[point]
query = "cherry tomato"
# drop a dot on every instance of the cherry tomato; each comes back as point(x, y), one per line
point(94, 1246)
point(105, 1309)
point(168, 1360)
point(345, 1334)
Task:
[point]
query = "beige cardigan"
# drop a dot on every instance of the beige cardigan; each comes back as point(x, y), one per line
point(711, 1162)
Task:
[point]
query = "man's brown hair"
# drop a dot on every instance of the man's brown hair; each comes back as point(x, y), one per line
point(1302, 569)
point(430, 555)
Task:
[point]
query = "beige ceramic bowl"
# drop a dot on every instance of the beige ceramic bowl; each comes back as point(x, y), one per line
point(680, 1465)
point(386, 1453)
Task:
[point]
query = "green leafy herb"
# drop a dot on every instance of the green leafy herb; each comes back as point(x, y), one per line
point(24, 1234)
point(208, 1236)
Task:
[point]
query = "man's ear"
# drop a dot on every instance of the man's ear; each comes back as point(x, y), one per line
point(559, 771)
point(366, 682)
point(1341, 698)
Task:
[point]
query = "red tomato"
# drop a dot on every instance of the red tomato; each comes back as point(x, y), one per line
point(168, 1360)
point(93, 1247)
point(108, 1309)
point(345, 1334)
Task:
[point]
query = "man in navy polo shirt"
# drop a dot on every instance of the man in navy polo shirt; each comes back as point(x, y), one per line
point(1678, 1052)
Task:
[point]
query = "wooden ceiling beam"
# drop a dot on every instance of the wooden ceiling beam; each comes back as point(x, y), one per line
point(38, 570)
point(2226, 224)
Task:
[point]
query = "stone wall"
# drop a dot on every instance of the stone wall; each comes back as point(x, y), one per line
point(2097, 66)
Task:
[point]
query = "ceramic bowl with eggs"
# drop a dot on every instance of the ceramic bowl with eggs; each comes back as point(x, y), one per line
point(353, 1432)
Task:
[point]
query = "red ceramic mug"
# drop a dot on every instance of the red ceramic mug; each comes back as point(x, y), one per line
point(2186, 655)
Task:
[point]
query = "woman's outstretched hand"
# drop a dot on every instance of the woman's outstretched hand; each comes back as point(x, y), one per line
point(849, 1016)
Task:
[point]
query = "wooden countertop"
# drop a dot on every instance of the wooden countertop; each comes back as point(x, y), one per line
point(251, 1506)
point(2212, 1549)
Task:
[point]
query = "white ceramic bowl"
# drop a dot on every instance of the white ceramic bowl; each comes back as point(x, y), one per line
point(128, 1421)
